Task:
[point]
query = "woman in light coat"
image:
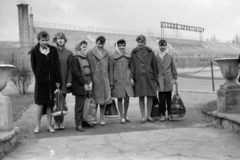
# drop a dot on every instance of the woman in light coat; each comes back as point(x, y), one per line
point(122, 87)
point(99, 61)
point(167, 76)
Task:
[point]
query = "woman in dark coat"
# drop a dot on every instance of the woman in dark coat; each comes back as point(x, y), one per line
point(100, 62)
point(144, 76)
point(81, 83)
point(45, 67)
point(122, 87)
point(65, 56)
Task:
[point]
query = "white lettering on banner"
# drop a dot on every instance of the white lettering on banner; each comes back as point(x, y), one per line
point(181, 27)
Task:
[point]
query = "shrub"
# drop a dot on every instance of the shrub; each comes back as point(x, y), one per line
point(21, 76)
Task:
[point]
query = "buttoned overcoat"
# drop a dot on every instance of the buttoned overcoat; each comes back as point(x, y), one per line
point(100, 66)
point(46, 70)
point(166, 73)
point(121, 75)
point(66, 76)
point(144, 71)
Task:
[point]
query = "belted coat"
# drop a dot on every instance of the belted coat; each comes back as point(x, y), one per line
point(121, 75)
point(166, 73)
point(100, 66)
point(46, 70)
point(143, 68)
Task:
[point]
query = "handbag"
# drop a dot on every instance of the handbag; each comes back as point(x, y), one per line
point(60, 105)
point(177, 109)
point(155, 108)
point(89, 110)
point(111, 110)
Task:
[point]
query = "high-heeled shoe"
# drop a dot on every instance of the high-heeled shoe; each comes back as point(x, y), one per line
point(149, 119)
point(102, 123)
point(123, 121)
point(51, 130)
point(36, 130)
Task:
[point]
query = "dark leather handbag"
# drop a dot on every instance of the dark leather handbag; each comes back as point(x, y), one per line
point(177, 109)
point(155, 108)
point(60, 106)
point(111, 110)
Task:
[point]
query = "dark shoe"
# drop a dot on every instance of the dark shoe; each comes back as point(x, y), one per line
point(150, 120)
point(80, 129)
point(87, 124)
point(127, 119)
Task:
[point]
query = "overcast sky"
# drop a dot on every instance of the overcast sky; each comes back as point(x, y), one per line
point(219, 17)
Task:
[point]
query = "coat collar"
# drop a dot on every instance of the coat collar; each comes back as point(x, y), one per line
point(118, 55)
point(146, 50)
point(160, 59)
point(96, 53)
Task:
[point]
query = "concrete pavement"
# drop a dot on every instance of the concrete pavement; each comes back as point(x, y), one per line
point(190, 138)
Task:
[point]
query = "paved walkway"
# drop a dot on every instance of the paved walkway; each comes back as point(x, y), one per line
point(165, 144)
point(191, 138)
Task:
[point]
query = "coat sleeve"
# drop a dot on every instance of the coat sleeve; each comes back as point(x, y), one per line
point(89, 62)
point(173, 67)
point(33, 62)
point(76, 71)
point(132, 67)
point(69, 77)
point(57, 66)
point(110, 70)
point(154, 66)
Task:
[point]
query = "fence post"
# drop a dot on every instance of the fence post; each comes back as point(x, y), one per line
point(211, 63)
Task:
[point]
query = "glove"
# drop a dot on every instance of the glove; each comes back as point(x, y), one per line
point(132, 82)
point(86, 87)
point(68, 85)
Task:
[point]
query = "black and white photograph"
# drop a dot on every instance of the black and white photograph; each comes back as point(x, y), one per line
point(119, 79)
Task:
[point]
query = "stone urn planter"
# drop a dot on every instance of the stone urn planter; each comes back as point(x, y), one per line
point(228, 95)
point(230, 70)
point(5, 104)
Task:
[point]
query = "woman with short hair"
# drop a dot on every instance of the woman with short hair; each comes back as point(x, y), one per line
point(65, 56)
point(45, 67)
point(99, 60)
point(144, 76)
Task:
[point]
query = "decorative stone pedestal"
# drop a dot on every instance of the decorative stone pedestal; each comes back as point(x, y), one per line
point(228, 99)
point(5, 113)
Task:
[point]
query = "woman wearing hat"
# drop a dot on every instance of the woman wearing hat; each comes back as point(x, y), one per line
point(144, 76)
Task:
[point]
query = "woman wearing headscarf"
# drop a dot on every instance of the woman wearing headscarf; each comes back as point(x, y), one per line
point(144, 76)
point(82, 83)
point(167, 76)
point(122, 88)
point(65, 56)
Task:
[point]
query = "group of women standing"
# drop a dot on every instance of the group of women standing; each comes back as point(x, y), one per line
point(142, 73)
